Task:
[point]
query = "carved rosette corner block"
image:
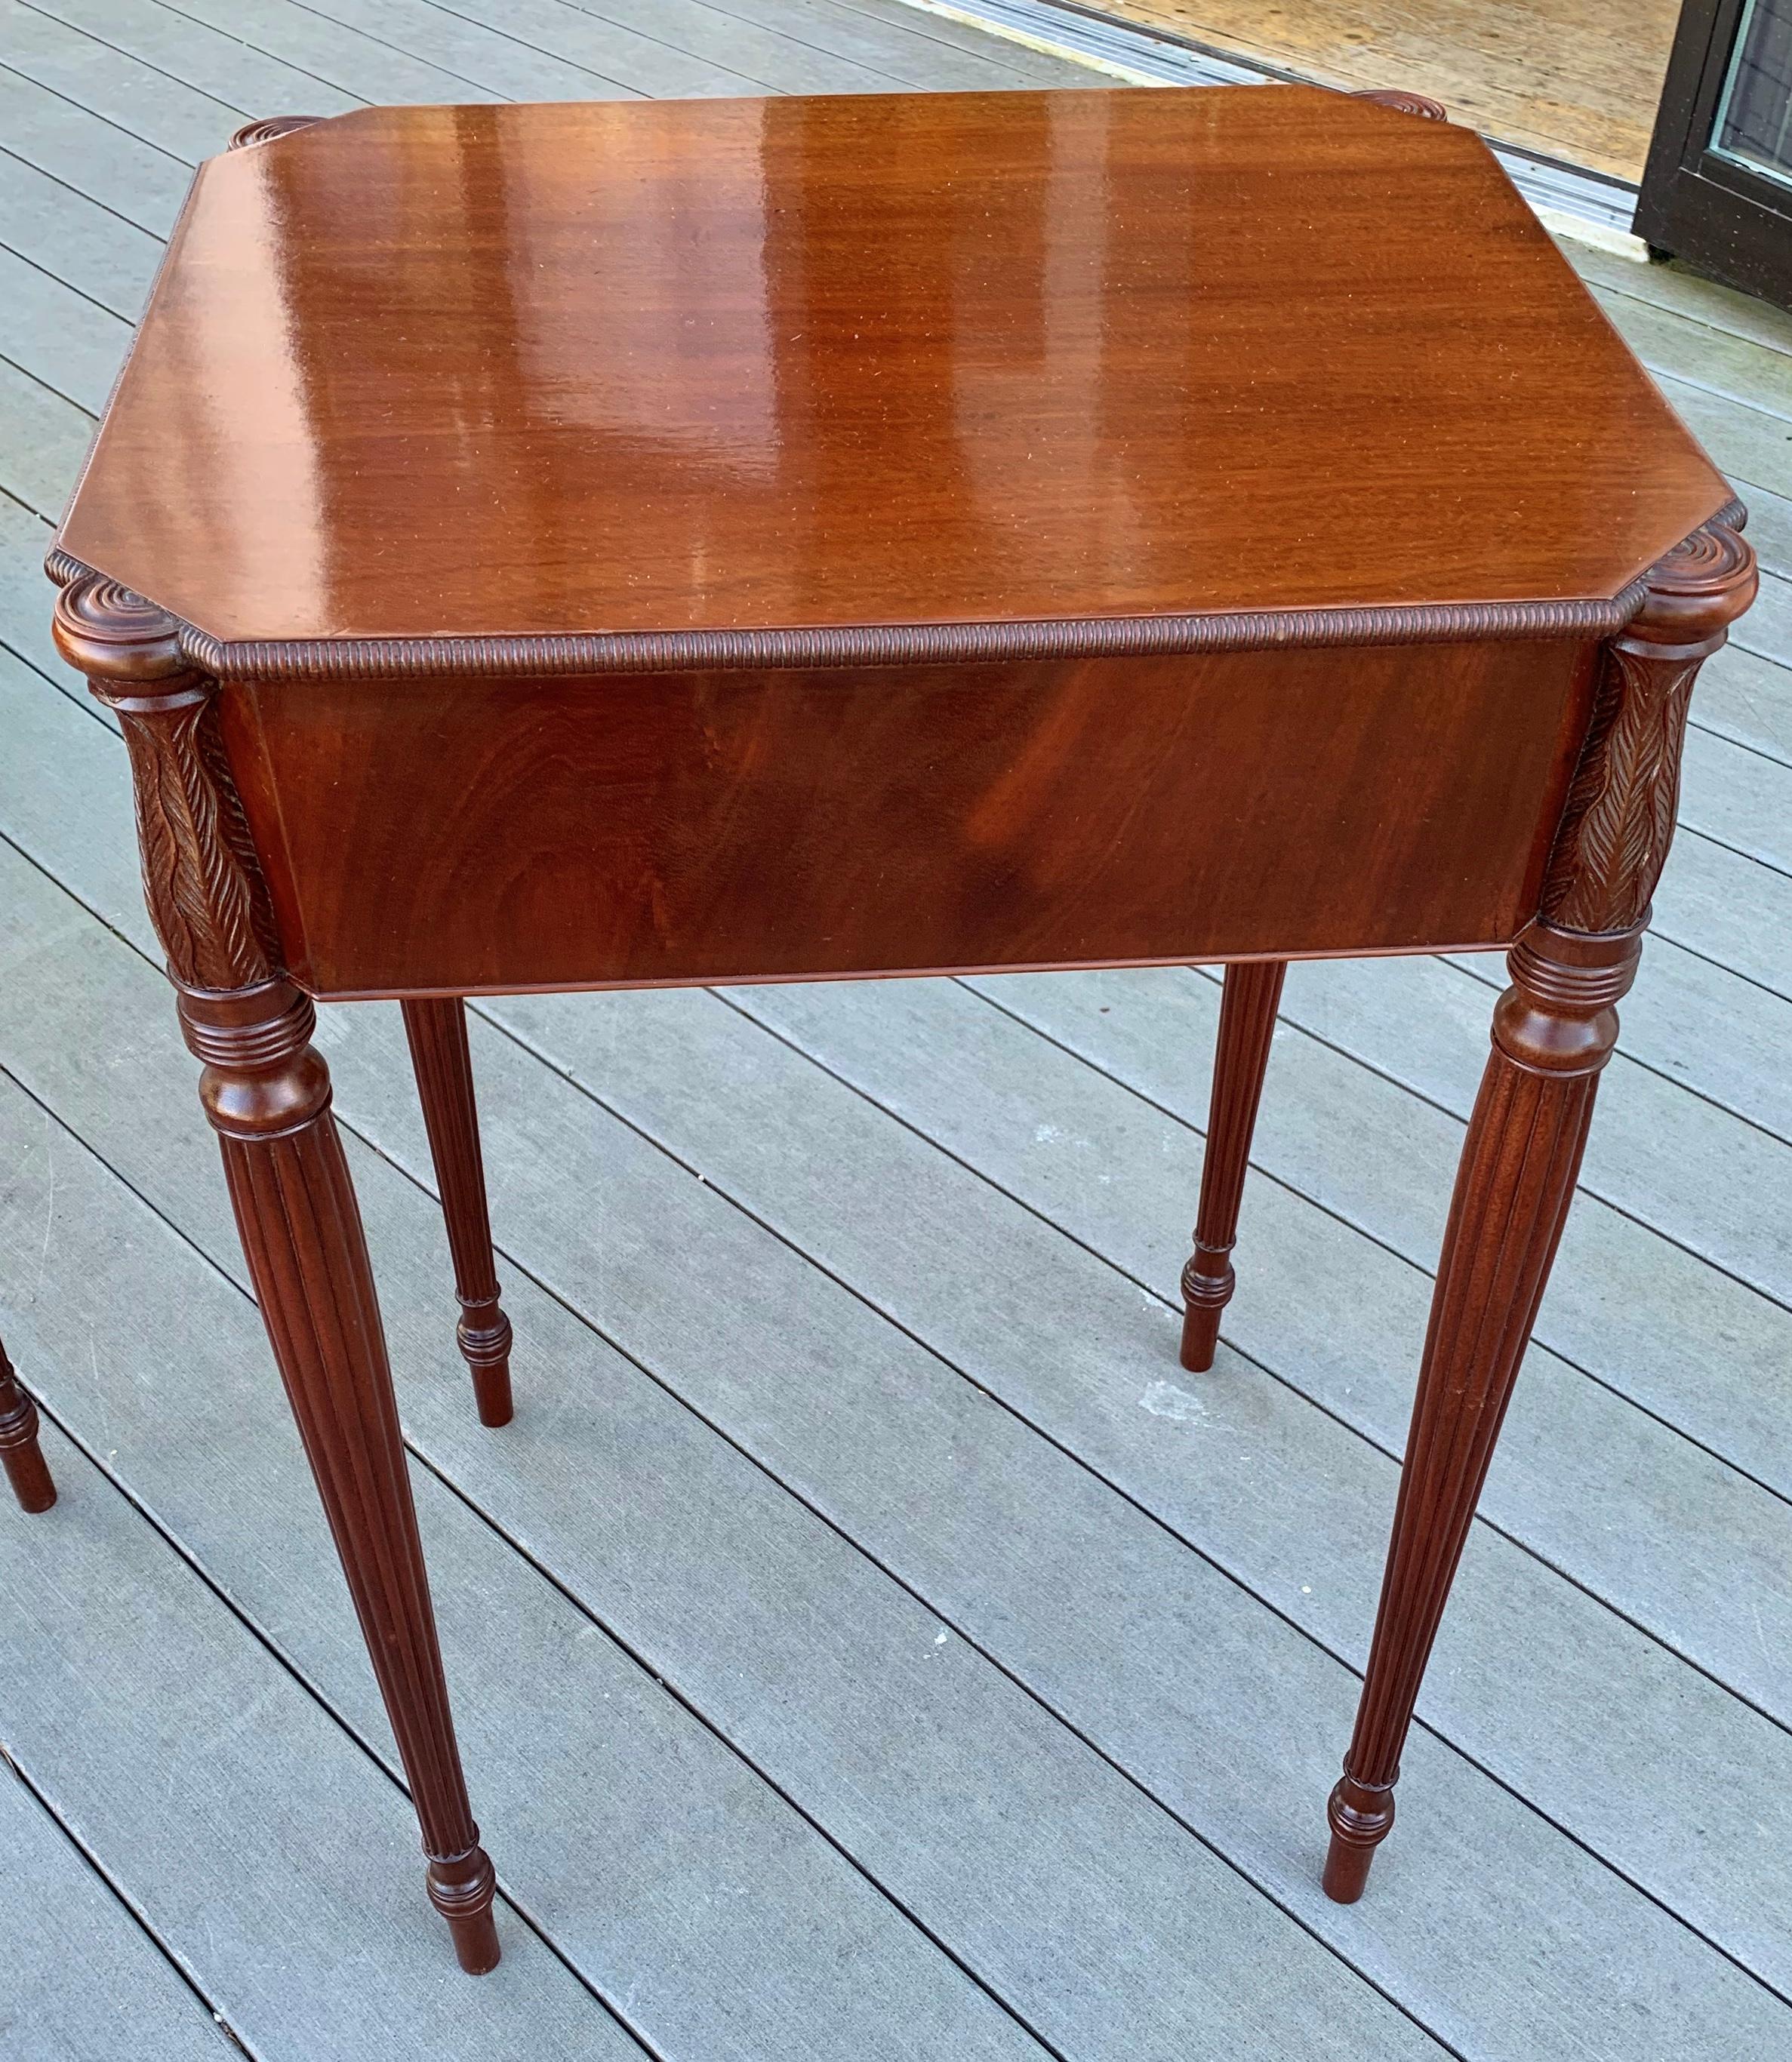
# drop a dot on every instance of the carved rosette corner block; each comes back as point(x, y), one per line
point(201, 879)
point(1554, 1030)
point(271, 125)
point(1421, 104)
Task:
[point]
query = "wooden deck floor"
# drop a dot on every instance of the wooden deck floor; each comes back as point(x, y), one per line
point(866, 1643)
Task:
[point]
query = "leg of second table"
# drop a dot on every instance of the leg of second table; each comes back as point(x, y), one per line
point(267, 1091)
point(27, 1470)
point(436, 1028)
point(1247, 1006)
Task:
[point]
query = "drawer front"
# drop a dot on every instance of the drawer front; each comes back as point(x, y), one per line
point(503, 833)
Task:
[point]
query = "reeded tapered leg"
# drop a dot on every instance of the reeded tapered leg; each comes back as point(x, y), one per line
point(27, 1470)
point(1247, 1005)
point(1554, 1030)
point(267, 1094)
point(1513, 1190)
point(266, 1091)
point(436, 1027)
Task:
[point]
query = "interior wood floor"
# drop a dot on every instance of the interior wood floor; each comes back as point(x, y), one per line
point(1575, 79)
point(866, 1642)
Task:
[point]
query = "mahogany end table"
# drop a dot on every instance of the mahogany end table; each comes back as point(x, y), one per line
point(620, 545)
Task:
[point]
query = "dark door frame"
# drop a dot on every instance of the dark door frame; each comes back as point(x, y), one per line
point(1717, 214)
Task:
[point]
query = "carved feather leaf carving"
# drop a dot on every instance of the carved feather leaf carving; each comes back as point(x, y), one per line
point(200, 878)
point(1619, 821)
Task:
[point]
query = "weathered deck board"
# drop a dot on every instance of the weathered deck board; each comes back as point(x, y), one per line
point(500, 63)
point(84, 1982)
point(1713, 902)
point(1683, 293)
point(1667, 1027)
point(902, 52)
point(1736, 369)
point(1368, 1151)
point(939, 1060)
point(24, 624)
point(1739, 797)
point(777, 61)
point(644, 63)
point(1747, 697)
point(1278, 1495)
point(1422, 1021)
point(145, 103)
point(90, 155)
point(178, 43)
point(69, 343)
point(141, 1710)
point(1039, 66)
point(85, 246)
point(43, 439)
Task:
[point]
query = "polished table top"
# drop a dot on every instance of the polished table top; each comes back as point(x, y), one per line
point(720, 366)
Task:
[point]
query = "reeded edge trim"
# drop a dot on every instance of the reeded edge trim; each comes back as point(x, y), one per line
point(896, 644)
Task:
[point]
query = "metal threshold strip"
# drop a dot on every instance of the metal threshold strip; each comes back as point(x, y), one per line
point(1568, 201)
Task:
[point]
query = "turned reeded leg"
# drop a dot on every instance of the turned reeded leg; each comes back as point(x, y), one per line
point(1247, 1006)
point(27, 1470)
point(267, 1094)
point(266, 1091)
point(1554, 1030)
point(436, 1027)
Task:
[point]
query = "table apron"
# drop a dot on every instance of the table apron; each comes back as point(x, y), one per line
point(483, 834)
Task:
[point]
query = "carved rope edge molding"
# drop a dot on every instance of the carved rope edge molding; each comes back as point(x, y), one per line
point(894, 645)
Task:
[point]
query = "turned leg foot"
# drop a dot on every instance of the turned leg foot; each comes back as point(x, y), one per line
point(436, 1028)
point(1247, 1005)
point(1360, 1818)
point(27, 1471)
point(461, 1887)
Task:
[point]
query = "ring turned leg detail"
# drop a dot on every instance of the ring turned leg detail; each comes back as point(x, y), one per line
point(1554, 1030)
point(26, 1469)
point(1247, 1006)
point(436, 1028)
point(266, 1090)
